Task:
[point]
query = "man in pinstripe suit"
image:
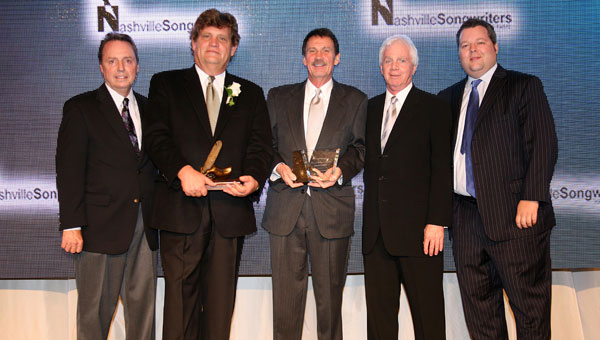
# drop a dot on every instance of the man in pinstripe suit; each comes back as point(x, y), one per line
point(505, 149)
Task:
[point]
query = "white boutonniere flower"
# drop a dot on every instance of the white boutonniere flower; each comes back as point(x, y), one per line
point(233, 90)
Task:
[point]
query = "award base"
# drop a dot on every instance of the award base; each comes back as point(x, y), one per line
point(221, 184)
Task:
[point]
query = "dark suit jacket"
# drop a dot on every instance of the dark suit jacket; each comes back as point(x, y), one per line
point(177, 132)
point(409, 184)
point(99, 177)
point(343, 128)
point(514, 150)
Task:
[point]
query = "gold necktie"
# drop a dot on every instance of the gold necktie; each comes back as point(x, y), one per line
point(315, 122)
point(212, 104)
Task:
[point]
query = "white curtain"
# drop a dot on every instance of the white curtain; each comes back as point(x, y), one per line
point(45, 309)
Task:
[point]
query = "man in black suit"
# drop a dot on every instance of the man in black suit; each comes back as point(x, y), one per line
point(314, 220)
point(105, 184)
point(407, 199)
point(505, 149)
point(201, 231)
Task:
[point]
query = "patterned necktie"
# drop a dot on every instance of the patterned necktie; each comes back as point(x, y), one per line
point(212, 104)
point(390, 115)
point(465, 148)
point(315, 122)
point(128, 122)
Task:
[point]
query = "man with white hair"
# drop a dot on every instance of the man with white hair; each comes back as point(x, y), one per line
point(408, 198)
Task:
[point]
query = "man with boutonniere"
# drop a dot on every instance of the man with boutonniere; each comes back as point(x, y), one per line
point(201, 230)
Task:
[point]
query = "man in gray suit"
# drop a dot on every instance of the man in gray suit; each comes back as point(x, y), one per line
point(105, 183)
point(314, 220)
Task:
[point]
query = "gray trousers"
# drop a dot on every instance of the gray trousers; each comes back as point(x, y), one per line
point(102, 278)
point(289, 262)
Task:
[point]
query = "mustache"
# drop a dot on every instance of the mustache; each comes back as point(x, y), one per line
point(319, 62)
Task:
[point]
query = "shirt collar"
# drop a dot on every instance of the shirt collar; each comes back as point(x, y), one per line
point(219, 78)
point(486, 77)
point(311, 89)
point(118, 98)
point(401, 96)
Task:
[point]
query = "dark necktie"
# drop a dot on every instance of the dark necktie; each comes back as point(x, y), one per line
point(465, 148)
point(129, 125)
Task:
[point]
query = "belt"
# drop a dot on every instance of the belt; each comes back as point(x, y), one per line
point(469, 199)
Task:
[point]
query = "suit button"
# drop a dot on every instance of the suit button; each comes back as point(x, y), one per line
point(136, 200)
point(139, 171)
point(302, 191)
point(382, 178)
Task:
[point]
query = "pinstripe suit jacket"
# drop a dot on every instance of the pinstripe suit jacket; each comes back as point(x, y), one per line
point(344, 128)
point(514, 150)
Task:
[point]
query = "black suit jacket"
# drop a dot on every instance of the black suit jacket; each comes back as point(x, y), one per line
point(409, 184)
point(343, 128)
point(177, 132)
point(99, 177)
point(514, 150)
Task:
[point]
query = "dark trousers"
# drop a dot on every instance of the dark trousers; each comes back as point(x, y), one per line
point(102, 278)
point(521, 267)
point(200, 282)
point(423, 283)
point(289, 262)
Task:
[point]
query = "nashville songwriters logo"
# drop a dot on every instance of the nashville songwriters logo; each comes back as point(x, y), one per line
point(420, 16)
point(108, 14)
point(133, 21)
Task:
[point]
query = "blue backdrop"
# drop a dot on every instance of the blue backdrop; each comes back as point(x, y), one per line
point(48, 54)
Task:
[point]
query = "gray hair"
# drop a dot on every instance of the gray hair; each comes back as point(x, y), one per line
point(412, 49)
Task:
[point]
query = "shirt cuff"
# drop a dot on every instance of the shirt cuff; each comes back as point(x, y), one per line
point(274, 174)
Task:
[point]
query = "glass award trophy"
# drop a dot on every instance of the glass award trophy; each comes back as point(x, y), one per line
point(320, 159)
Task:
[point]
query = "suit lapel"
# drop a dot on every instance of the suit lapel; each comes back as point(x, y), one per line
point(196, 95)
point(492, 92)
point(225, 110)
point(296, 115)
point(142, 110)
point(375, 129)
point(335, 114)
point(113, 117)
point(455, 104)
point(407, 112)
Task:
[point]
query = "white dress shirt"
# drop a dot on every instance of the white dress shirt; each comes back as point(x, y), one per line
point(134, 111)
point(460, 173)
point(309, 93)
point(218, 83)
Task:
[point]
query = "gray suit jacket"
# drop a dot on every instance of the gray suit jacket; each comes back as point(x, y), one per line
point(344, 128)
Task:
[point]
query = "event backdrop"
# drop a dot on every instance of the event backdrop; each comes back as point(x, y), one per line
point(48, 54)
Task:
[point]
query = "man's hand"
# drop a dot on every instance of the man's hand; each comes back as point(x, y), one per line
point(527, 214)
point(193, 182)
point(72, 241)
point(287, 175)
point(246, 186)
point(433, 241)
point(327, 179)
